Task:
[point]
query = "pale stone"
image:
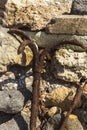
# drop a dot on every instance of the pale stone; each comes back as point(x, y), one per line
point(43, 39)
point(18, 122)
point(69, 65)
point(73, 123)
point(68, 24)
point(35, 14)
point(9, 80)
point(52, 111)
point(9, 46)
point(12, 101)
point(61, 97)
point(8, 51)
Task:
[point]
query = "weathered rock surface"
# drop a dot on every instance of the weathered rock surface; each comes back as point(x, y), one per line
point(53, 122)
point(16, 78)
point(9, 46)
point(12, 101)
point(35, 14)
point(79, 7)
point(69, 65)
point(18, 122)
point(43, 39)
point(72, 124)
point(61, 97)
point(8, 51)
point(52, 111)
point(68, 24)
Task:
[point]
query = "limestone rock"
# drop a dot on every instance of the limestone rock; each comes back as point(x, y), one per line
point(18, 122)
point(73, 123)
point(53, 122)
point(79, 7)
point(8, 51)
point(52, 111)
point(61, 97)
point(17, 78)
point(43, 39)
point(69, 65)
point(68, 24)
point(9, 46)
point(35, 14)
point(12, 101)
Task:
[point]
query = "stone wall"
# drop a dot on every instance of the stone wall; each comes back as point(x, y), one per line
point(34, 14)
point(47, 22)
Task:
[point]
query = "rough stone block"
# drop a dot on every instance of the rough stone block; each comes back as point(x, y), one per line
point(69, 66)
point(79, 7)
point(8, 51)
point(68, 24)
point(35, 14)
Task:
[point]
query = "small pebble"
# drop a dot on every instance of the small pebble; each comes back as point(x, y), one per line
point(53, 110)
